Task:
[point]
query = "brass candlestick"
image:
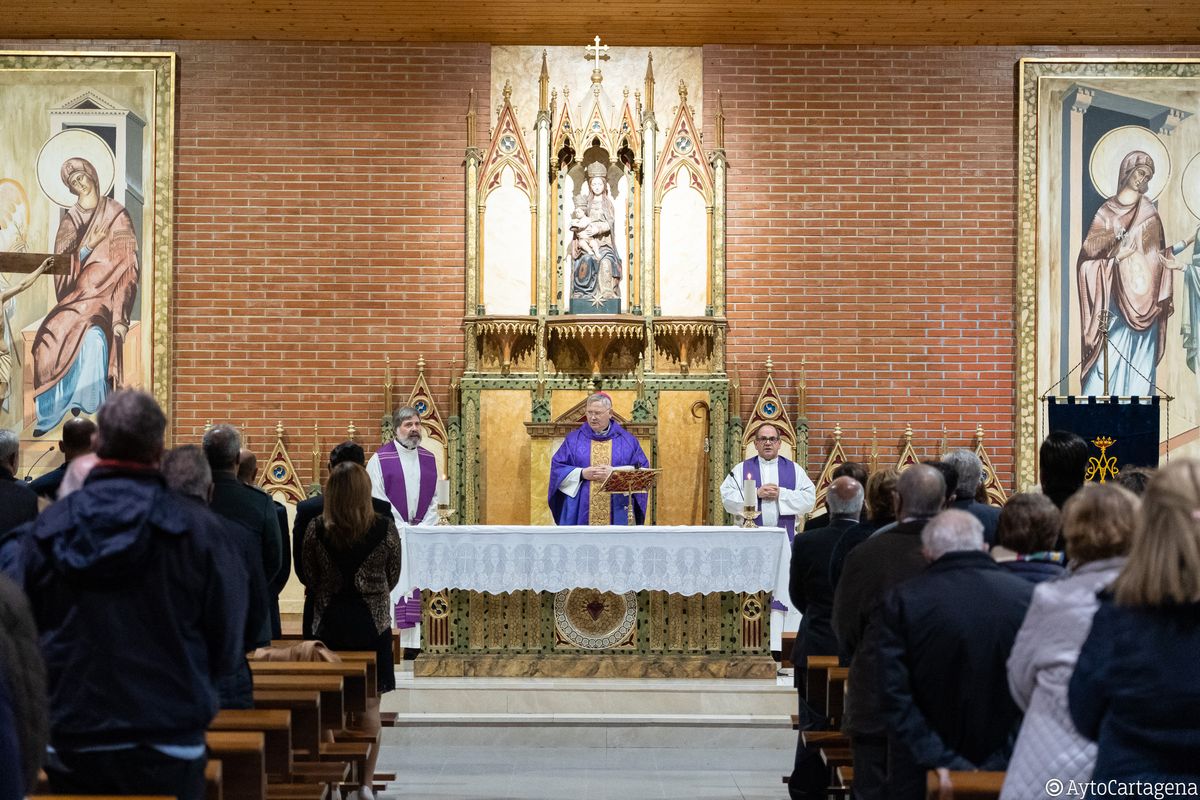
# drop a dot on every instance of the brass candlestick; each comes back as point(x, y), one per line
point(444, 512)
point(749, 514)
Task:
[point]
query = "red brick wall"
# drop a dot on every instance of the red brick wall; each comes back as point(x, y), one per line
point(872, 231)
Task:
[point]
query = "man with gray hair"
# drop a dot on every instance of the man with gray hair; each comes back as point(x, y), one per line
point(811, 590)
point(876, 565)
point(405, 475)
point(18, 503)
point(970, 475)
point(186, 471)
point(945, 638)
point(581, 465)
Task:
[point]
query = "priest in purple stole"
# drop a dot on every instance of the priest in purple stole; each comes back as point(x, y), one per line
point(584, 461)
point(784, 491)
point(405, 475)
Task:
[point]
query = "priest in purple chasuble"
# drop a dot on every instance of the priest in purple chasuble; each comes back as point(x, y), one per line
point(405, 475)
point(585, 460)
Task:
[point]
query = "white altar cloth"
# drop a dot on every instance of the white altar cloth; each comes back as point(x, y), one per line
point(683, 560)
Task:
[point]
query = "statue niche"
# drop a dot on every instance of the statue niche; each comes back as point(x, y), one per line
point(595, 227)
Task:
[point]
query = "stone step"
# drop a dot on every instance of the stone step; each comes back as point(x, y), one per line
point(592, 698)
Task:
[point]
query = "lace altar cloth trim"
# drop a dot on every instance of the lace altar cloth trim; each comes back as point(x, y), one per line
point(680, 560)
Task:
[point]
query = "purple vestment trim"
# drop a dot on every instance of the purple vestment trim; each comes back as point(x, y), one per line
point(408, 610)
point(394, 486)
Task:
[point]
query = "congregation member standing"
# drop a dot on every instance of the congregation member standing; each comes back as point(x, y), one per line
point(1134, 691)
point(76, 441)
point(1098, 522)
point(876, 565)
point(351, 558)
point(811, 593)
point(247, 473)
point(18, 503)
point(139, 603)
point(1030, 526)
point(313, 507)
point(186, 471)
point(945, 640)
point(970, 477)
point(253, 509)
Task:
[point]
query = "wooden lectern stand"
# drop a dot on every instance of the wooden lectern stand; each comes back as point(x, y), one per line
point(630, 482)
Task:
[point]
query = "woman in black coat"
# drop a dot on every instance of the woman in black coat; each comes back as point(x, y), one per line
point(1135, 690)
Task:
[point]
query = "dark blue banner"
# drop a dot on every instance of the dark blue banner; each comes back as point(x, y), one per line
point(1119, 432)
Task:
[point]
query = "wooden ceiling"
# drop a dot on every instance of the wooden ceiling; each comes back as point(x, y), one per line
point(619, 22)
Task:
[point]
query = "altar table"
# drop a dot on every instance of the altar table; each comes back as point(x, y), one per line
point(597, 601)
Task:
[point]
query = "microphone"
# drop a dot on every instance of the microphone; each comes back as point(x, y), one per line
point(33, 466)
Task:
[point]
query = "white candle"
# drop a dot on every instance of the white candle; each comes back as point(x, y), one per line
point(443, 492)
point(750, 492)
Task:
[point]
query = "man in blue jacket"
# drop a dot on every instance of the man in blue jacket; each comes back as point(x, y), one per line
point(139, 603)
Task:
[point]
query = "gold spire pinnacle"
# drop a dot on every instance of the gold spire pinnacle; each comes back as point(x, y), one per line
point(803, 386)
point(978, 434)
point(387, 385)
point(553, 103)
point(316, 455)
point(471, 118)
point(544, 85)
point(279, 430)
point(874, 448)
point(421, 366)
point(837, 432)
point(649, 83)
point(908, 433)
point(770, 365)
point(351, 432)
point(682, 92)
point(720, 122)
point(943, 450)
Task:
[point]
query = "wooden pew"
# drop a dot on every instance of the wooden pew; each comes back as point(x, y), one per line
point(967, 785)
point(274, 724)
point(333, 714)
point(213, 781)
point(353, 674)
point(835, 693)
point(305, 711)
point(815, 681)
point(789, 639)
point(243, 763)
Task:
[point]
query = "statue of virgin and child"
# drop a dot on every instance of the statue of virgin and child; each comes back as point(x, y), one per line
point(595, 263)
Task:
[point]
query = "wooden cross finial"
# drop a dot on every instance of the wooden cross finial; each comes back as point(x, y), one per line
point(595, 51)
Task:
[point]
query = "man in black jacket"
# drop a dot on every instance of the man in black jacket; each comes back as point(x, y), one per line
point(811, 592)
point(247, 473)
point(313, 507)
point(945, 640)
point(241, 503)
point(870, 570)
point(76, 441)
point(139, 603)
point(970, 475)
point(18, 503)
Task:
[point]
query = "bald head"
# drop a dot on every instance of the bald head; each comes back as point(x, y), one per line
point(845, 497)
point(921, 491)
point(247, 469)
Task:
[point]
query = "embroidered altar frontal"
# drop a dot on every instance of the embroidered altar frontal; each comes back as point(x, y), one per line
point(631, 624)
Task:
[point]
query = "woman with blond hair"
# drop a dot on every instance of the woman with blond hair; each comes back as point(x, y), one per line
point(1135, 690)
point(351, 562)
point(1097, 522)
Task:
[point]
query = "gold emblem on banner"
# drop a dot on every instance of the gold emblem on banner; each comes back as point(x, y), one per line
point(1105, 466)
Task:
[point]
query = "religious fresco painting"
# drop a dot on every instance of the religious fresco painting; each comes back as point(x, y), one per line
point(85, 174)
point(1109, 209)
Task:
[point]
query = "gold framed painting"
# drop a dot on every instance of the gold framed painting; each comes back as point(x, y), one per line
point(1108, 212)
point(86, 167)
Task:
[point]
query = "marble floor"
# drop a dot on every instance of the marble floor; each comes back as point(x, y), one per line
point(546, 739)
point(507, 771)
